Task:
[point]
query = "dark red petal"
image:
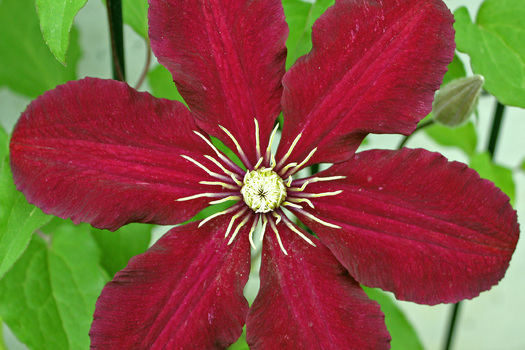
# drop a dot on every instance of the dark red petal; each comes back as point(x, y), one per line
point(227, 58)
point(373, 68)
point(100, 152)
point(184, 292)
point(429, 230)
point(307, 300)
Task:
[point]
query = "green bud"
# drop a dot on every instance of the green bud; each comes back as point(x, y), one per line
point(456, 101)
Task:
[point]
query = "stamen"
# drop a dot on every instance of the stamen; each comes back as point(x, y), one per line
point(243, 222)
point(320, 179)
point(218, 183)
point(273, 163)
point(238, 146)
point(300, 200)
point(277, 216)
point(283, 159)
point(289, 182)
point(226, 199)
point(257, 141)
point(211, 173)
point(234, 176)
point(263, 230)
point(274, 228)
point(317, 195)
point(288, 204)
point(259, 162)
point(292, 227)
point(285, 169)
point(296, 189)
point(219, 154)
point(252, 230)
point(269, 148)
point(322, 222)
point(298, 166)
point(235, 217)
point(227, 211)
point(200, 195)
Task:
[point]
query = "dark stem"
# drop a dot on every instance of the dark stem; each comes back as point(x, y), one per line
point(116, 32)
point(491, 148)
point(496, 125)
point(452, 325)
point(419, 127)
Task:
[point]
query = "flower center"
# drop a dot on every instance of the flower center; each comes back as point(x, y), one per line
point(263, 190)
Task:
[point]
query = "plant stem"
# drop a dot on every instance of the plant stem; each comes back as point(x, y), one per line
point(419, 127)
point(452, 325)
point(116, 32)
point(491, 148)
point(496, 125)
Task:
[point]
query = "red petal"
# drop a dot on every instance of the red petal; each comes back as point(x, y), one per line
point(100, 152)
point(227, 59)
point(373, 68)
point(307, 300)
point(185, 292)
point(429, 230)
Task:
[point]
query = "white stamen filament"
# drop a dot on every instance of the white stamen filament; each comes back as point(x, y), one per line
point(274, 228)
point(238, 146)
point(218, 183)
point(211, 173)
point(225, 159)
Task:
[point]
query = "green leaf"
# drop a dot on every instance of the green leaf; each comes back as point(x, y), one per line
point(48, 298)
point(463, 137)
point(18, 218)
point(240, 344)
point(403, 334)
point(135, 14)
point(456, 70)
point(56, 20)
point(501, 176)
point(26, 64)
point(523, 165)
point(495, 46)
point(120, 246)
point(300, 16)
point(162, 85)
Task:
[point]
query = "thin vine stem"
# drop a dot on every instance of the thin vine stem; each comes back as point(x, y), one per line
point(146, 66)
point(116, 32)
point(491, 148)
point(419, 127)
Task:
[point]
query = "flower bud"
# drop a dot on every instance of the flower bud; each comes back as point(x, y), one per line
point(457, 100)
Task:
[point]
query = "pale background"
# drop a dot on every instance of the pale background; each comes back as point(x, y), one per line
point(493, 321)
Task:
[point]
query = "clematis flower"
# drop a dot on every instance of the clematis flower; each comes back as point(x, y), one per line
point(407, 221)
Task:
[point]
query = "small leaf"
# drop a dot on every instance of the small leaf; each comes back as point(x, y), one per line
point(455, 102)
point(455, 70)
point(300, 16)
point(26, 64)
point(501, 176)
point(135, 14)
point(463, 137)
point(240, 344)
point(18, 218)
point(56, 19)
point(48, 298)
point(402, 332)
point(162, 85)
point(495, 46)
point(120, 246)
